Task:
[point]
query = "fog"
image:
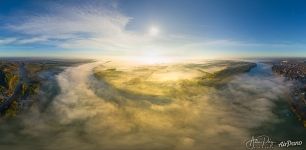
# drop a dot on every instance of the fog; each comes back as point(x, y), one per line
point(89, 114)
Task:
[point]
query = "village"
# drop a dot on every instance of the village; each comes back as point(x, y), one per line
point(295, 71)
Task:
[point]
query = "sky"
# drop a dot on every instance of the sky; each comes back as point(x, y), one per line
point(156, 29)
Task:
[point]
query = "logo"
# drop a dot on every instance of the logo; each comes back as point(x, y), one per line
point(265, 142)
point(260, 142)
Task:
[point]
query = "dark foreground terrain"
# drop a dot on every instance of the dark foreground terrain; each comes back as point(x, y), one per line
point(23, 80)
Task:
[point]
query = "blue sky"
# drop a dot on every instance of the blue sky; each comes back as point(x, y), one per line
point(178, 28)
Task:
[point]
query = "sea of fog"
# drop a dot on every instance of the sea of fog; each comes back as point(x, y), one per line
point(211, 118)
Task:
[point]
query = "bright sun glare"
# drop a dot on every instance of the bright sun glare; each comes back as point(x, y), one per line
point(152, 58)
point(153, 31)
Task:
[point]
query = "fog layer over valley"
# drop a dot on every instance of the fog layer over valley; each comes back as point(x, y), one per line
point(184, 106)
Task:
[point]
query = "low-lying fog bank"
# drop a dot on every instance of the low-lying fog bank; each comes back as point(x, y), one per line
point(92, 114)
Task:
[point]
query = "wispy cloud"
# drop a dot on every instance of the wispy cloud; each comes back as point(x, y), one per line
point(5, 41)
point(84, 27)
point(74, 21)
point(101, 28)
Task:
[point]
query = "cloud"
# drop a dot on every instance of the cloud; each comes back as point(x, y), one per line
point(73, 21)
point(6, 41)
point(32, 40)
point(72, 24)
point(196, 117)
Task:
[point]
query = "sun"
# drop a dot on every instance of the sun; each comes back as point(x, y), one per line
point(153, 31)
